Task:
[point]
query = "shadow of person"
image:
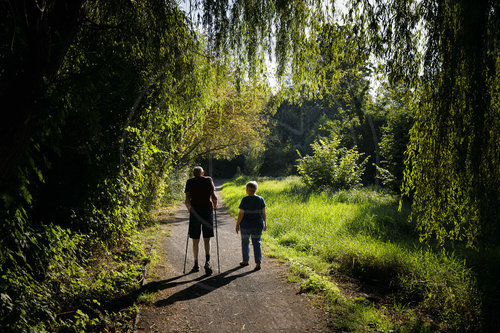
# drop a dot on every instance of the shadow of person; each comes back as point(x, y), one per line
point(168, 283)
point(203, 287)
point(154, 286)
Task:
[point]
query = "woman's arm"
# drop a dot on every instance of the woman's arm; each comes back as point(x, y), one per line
point(265, 218)
point(240, 217)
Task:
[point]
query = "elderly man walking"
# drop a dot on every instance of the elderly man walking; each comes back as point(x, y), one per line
point(200, 203)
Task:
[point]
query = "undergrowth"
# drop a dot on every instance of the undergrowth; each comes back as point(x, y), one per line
point(66, 279)
point(84, 281)
point(360, 233)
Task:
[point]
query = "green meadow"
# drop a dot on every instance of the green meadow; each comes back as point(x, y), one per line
point(395, 282)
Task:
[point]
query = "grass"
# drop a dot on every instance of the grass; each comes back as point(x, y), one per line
point(360, 233)
point(145, 298)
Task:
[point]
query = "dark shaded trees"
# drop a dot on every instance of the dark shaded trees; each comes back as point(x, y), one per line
point(398, 106)
point(101, 124)
point(35, 38)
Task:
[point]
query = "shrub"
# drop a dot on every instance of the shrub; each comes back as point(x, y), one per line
point(331, 166)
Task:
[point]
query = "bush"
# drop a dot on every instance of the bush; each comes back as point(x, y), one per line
point(331, 167)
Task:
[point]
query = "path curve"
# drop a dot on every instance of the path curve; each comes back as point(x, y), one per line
point(237, 299)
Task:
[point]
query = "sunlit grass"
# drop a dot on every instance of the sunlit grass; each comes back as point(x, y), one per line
point(361, 233)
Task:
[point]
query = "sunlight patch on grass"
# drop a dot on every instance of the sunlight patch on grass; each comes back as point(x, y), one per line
point(145, 298)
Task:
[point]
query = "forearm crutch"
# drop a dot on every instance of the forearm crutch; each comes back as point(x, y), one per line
point(185, 255)
point(217, 239)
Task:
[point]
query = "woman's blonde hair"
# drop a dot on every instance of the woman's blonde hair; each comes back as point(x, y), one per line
point(252, 185)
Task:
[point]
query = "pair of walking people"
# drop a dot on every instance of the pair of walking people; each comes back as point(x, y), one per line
point(201, 201)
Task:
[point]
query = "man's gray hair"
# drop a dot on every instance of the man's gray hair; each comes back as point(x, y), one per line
point(252, 185)
point(197, 171)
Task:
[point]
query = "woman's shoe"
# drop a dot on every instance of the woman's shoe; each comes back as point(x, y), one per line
point(257, 267)
point(244, 263)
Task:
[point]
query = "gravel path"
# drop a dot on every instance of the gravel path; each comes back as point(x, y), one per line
point(238, 299)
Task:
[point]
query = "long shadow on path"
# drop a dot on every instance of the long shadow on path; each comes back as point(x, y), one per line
point(169, 283)
point(130, 298)
point(203, 287)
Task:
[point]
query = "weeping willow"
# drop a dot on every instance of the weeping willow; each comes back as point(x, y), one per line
point(453, 160)
point(447, 53)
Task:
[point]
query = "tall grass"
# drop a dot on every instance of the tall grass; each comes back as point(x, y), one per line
point(360, 233)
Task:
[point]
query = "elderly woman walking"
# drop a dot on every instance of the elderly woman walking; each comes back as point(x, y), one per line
point(251, 222)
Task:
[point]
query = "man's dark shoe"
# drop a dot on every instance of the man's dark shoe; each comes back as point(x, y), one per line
point(208, 269)
point(195, 269)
